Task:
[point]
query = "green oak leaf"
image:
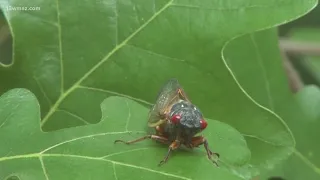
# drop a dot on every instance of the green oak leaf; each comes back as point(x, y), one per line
point(305, 162)
point(89, 152)
point(73, 57)
point(268, 81)
point(270, 88)
point(306, 159)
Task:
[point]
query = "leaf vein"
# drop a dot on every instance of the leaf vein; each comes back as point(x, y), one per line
point(73, 115)
point(219, 9)
point(129, 116)
point(84, 137)
point(117, 94)
point(263, 140)
point(60, 47)
point(307, 161)
point(154, 53)
point(42, 90)
point(43, 168)
point(37, 155)
point(116, 26)
point(114, 171)
point(117, 163)
point(76, 85)
point(247, 95)
point(123, 152)
point(5, 121)
point(263, 70)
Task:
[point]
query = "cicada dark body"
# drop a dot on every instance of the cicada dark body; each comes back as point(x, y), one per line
point(175, 121)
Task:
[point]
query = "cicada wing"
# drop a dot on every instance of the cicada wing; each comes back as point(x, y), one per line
point(170, 93)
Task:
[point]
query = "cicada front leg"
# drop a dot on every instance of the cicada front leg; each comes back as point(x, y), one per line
point(174, 145)
point(199, 140)
point(153, 137)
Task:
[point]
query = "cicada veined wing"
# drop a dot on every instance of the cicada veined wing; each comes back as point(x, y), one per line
point(169, 94)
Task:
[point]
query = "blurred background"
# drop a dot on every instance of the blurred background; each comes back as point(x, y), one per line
point(299, 41)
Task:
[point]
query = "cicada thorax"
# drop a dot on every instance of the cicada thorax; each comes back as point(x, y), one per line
point(183, 121)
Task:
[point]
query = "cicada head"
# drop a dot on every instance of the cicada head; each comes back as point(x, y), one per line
point(187, 119)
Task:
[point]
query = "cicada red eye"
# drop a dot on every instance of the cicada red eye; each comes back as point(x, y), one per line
point(176, 118)
point(203, 124)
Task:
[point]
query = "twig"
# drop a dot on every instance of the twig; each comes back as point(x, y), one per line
point(295, 82)
point(299, 47)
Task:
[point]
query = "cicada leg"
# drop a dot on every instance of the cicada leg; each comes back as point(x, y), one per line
point(172, 147)
point(160, 131)
point(199, 140)
point(153, 137)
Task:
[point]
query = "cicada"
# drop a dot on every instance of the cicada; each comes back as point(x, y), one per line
point(175, 121)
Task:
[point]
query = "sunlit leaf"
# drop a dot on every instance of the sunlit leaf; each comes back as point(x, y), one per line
point(29, 153)
point(73, 58)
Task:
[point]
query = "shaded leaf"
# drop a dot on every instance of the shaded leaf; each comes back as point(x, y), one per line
point(270, 88)
point(305, 161)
